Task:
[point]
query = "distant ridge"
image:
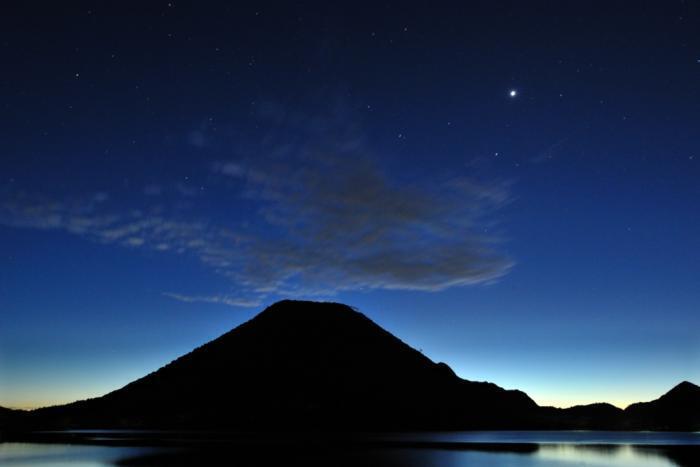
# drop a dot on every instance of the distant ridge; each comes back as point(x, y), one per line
point(678, 409)
point(325, 366)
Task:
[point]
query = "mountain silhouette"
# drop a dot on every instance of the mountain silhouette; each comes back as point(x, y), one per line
point(318, 366)
point(9, 416)
point(678, 409)
point(301, 364)
point(599, 416)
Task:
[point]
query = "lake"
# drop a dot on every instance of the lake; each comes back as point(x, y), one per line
point(445, 449)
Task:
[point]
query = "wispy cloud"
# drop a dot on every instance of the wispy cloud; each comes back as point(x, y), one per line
point(339, 222)
point(325, 218)
point(222, 299)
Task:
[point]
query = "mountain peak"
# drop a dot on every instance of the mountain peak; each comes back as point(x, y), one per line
point(686, 385)
point(678, 409)
point(335, 325)
point(683, 389)
point(306, 309)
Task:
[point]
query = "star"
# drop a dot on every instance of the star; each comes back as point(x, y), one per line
point(513, 93)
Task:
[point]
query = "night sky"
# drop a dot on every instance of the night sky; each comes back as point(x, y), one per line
point(512, 188)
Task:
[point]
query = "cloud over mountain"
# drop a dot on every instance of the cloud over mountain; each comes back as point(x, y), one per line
point(311, 214)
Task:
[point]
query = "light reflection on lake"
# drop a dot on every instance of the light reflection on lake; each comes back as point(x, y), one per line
point(553, 437)
point(63, 455)
point(563, 454)
point(454, 449)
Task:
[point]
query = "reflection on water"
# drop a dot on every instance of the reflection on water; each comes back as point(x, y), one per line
point(64, 455)
point(514, 449)
point(554, 437)
point(563, 454)
point(482, 456)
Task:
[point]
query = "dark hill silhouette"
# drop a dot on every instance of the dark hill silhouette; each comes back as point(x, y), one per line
point(309, 365)
point(599, 416)
point(7, 416)
point(678, 409)
point(302, 364)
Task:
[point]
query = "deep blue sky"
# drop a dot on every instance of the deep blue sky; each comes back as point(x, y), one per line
point(168, 170)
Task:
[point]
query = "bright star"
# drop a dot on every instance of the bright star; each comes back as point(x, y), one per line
point(513, 93)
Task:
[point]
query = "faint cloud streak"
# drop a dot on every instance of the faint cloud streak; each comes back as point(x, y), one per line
point(221, 299)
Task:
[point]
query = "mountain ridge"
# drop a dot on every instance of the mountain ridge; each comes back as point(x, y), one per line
point(324, 365)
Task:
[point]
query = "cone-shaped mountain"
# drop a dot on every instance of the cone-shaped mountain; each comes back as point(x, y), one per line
point(303, 364)
point(310, 365)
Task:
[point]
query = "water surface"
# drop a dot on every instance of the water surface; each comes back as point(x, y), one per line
point(89, 448)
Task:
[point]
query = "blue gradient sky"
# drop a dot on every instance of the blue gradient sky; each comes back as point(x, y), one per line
point(169, 170)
